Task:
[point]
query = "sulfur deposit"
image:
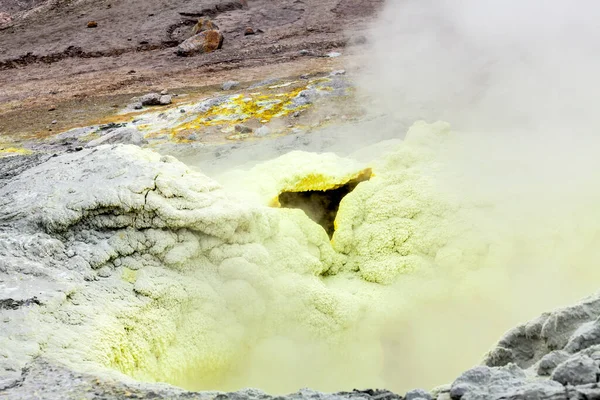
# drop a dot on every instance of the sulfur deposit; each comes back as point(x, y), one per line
point(123, 264)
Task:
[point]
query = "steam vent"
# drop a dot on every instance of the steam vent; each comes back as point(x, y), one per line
point(299, 200)
point(321, 205)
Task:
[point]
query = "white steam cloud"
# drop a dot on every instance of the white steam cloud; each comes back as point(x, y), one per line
point(518, 82)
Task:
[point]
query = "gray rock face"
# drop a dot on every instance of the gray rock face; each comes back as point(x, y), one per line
point(562, 344)
point(528, 343)
point(585, 336)
point(481, 382)
point(578, 370)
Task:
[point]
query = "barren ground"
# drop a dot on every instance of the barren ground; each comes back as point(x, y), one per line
point(52, 65)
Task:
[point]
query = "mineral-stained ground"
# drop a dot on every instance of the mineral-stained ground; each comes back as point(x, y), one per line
point(239, 236)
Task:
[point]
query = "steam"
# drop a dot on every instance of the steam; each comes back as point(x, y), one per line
point(486, 64)
point(517, 81)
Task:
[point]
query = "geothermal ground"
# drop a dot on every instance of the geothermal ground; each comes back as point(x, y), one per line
point(347, 200)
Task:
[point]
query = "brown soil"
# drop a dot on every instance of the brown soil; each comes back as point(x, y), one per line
point(49, 58)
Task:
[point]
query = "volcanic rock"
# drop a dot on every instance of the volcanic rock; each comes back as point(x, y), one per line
point(578, 370)
point(243, 129)
point(204, 42)
point(204, 24)
point(165, 100)
point(155, 99)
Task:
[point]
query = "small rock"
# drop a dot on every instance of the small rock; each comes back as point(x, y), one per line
point(249, 31)
point(193, 136)
point(204, 24)
point(182, 111)
point(54, 122)
point(304, 52)
point(242, 129)
point(230, 85)
point(304, 98)
point(150, 99)
point(334, 54)
point(92, 24)
point(137, 106)
point(155, 99)
point(417, 394)
point(131, 72)
point(304, 76)
point(204, 42)
point(165, 100)
point(52, 108)
point(164, 92)
point(338, 72)
point(296, 114)
point(578, 370)
point(5, 18)
point(262, 131)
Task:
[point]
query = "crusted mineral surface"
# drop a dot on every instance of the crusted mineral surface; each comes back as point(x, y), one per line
point(122, 271)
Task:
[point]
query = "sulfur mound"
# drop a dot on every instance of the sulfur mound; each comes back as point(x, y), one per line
point(120, 263)
point(118, 259)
